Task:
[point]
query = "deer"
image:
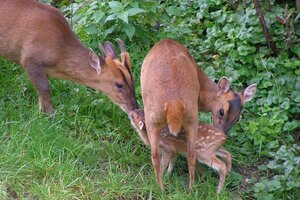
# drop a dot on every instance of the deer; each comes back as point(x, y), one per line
point(38, 37)
point(209, 145)
point(170, 96)
point(224, 104)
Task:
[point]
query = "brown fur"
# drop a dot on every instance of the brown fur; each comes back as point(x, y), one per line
point(169, 74)
point(209, 143)
point(175, 114)
point(38, 37)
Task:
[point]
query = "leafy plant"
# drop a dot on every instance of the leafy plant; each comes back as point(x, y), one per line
point(283, 181)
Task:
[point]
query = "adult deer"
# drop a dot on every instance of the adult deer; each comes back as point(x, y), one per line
point(158, 74)
point(170, 95)
point(38, 37)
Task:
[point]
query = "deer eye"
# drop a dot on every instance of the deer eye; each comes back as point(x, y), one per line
point(119, 85)
point(221, 111)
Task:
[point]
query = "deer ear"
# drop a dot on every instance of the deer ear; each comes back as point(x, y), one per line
point(94, 61)
point(249, 93)
point(141, 125)
point(223, 85)
point(108, 49)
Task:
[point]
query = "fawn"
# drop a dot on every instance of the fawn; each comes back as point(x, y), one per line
point(209, 143)
point(170, 95)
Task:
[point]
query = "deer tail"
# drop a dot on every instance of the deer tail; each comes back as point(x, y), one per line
point(174, 112)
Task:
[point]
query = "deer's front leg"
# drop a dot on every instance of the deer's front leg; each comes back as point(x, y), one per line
point(40, 82)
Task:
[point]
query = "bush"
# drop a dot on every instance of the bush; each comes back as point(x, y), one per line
point(226, 39)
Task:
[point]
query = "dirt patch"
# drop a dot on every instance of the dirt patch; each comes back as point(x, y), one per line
point(249, 172)
point(12, 194)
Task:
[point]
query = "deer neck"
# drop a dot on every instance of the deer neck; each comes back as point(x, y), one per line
point(208, 94)
point(76, 68)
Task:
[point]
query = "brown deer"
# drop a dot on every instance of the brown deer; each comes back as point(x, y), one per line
point(224, 104)
point(209, 143)
point(170, 91)
point(38, 37)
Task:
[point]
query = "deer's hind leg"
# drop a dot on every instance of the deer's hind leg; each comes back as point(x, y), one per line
point(191, 133)
point(154, 133)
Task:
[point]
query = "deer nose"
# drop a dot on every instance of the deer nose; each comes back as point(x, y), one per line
point(134, 103)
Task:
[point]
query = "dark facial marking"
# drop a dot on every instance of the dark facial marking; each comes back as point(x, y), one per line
point(235, 108)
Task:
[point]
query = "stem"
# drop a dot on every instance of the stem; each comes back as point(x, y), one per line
point(268, 37)
point(268, 4)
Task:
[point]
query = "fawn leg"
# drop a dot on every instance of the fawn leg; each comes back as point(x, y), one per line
point(212, 161)
point(191, 132)
point(155, 154)
point(223, 153)
point(165, 160)
point(171, 164)
point(40, 82)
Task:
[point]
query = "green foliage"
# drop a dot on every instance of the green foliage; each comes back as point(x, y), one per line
point(284, 179)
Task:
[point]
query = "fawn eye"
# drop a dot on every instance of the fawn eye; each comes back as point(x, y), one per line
point(221, 111)
point(119, 85)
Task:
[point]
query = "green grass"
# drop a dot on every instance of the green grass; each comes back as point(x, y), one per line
point(87, 151)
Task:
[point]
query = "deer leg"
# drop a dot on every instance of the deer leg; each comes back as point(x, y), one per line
point(199, 169)
point(191, 132)
point(224, 154)
point(165, 160)
point(155, 154)
point(212, 161)
point(171, 164)
point(40, 82)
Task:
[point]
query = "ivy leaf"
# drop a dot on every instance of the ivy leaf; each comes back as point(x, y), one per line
point(124, 17)
point(172, 10)
point(115, 6)
point(135, 11)
point(110, 17)
point(244, 50)
point(92, 29)
point(259, 187)
point(98, 15)
point(296, 49)
point(129, 30)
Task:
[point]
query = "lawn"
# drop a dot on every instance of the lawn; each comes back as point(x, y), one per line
point(88, 150)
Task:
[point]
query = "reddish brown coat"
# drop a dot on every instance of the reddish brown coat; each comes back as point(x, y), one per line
point(38, 37)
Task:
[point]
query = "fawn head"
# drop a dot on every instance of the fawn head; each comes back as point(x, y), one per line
point(137, 119)
point(228, 106)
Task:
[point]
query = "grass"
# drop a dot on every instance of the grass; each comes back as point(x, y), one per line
point(87, 151)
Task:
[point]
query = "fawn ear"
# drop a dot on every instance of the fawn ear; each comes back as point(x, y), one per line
point(223, 85)
point(141, 125)
point(249, 93)
point(94, 61)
